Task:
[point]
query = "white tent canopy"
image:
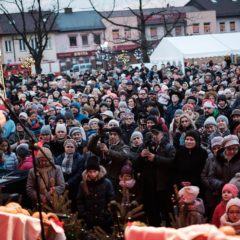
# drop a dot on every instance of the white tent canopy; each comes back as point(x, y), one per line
point(199, 46)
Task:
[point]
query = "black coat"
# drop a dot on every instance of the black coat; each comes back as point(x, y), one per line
point(157, 174)
point(189, 165)
point(92, 206)
point(223, 170)
point(74, 178)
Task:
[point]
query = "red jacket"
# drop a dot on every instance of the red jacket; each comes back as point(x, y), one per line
point(218, 212)
point(26, 164)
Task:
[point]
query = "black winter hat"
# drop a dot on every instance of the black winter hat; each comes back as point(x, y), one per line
point(93, 163)
point(194, 134)
point(116, 130)
point(157, 128)
point(152, 118)
point(222, 98)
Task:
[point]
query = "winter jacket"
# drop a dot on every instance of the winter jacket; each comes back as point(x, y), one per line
point(8, 128)
point(127, 132)
point(193, 213)
point(223, 170)
point(225, 222)
point(157, 174)
point(169, 114)
point(26, 164)
point(189, 165)
point(114, 160)
point(55, 173)
point(74, 177)
point(218, 213)
point(10, 161)
point(93, 204)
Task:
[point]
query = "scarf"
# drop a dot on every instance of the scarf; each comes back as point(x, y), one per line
point(127, 184)
point(67, 163)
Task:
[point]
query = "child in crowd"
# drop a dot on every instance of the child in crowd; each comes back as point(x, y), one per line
point(94, 194)
point(191, 208)
point(229, 191)
point(232, 215)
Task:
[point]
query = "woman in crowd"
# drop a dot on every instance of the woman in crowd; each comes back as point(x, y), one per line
point(72, 165)
point(9, 157)
point(50, 178)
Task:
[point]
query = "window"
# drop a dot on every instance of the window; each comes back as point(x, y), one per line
point(232, 26)
point(178, 31)
point(196, 28)
point(222, 26)
point(49, 43)
point(33, 43)
point(97, 39)
point(72, 41)
point(127, 33)
point(207, 28)
point(8, 45)
point(115, 34)
point(84, 40)
point(22, 45)
point(153, 33)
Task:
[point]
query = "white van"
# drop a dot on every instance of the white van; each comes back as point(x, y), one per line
point(81, 68)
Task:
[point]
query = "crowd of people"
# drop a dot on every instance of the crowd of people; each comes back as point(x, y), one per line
point(143, 129)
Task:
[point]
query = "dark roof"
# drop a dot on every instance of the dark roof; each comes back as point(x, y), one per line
point(127, 13)
point(6, 27)
point(223, 8)
point(79, 21)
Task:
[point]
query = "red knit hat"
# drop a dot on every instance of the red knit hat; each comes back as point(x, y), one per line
point(231, 188)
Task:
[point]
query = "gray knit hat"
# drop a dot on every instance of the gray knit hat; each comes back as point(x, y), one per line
point(216, 141)
point(178, 112)
point(210, 121)
point(136, 134)
point(70, 141)
point(74, 130)
point(45, 130)
point(223, 118)
point(61, 127)
point(22, 150)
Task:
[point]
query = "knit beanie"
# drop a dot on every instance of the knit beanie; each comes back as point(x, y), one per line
point(47, 152)
point(178, 112)
point(210, 121)
point(233, 202)
point(45, 130)
point(216, 141)
point(93, 120)
point(113, 122)
point(126, 169)
point(222, 98)
point(230, 140)
point(223, 118)
point(22, 150)
point(93, 163)
point(74, 130)
point(188, 105)
point(61, 127)
point(231, 188)
point(189, 193)
point(194, 134)
point(70, 142)
point(136, 134)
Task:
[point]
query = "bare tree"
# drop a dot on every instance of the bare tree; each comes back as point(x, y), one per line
point(32, 24)
point(143, 18)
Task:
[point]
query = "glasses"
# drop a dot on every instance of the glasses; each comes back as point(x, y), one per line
point(231, 149)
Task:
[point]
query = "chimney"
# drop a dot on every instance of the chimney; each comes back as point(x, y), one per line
point(68, 10)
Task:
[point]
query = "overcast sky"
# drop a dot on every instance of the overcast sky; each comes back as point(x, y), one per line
point(104, 5)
